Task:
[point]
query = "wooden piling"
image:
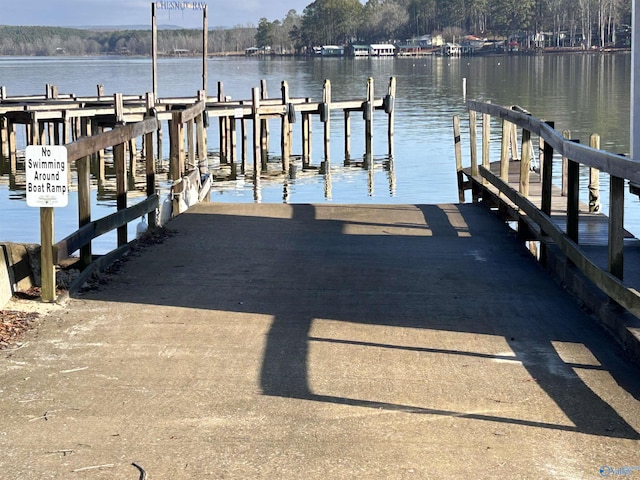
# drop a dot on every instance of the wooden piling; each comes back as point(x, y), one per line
point(233, 141)
point(368, 115)
point(265, 134)
point(222, 125)
point(513, 142)
point(285, 133)
point(257, 146)
point(243, 129)
point(201, 144)
point(4, 138)
point(473, 146)
point(150, 167)
point(326, 106)
point(391, 115)
point(306, 139)
point(347, 136)
point(176, 146)
point(13, 148)
point(118, 107)
point(191, 144)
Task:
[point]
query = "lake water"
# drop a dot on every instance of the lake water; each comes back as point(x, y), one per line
point(584, 93)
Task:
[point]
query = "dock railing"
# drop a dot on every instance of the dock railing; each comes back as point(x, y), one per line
point(537, 216)
point(81, 152)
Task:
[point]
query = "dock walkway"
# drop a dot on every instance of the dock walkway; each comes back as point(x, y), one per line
point(322, 341)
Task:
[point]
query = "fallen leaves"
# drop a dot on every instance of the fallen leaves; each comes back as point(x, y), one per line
point(13, 324)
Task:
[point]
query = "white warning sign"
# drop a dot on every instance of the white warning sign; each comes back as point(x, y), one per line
point(47, 176)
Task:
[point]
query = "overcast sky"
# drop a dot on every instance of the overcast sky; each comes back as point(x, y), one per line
point(75, 13)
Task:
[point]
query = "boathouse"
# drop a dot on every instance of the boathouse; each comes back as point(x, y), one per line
point(382, 50)
point(414, 51)
point(332, 51)
point(359, 50)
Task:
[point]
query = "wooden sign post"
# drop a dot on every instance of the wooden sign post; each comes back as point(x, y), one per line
point(47, 181)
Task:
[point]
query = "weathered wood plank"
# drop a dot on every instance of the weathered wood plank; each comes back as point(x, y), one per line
point(85, 146)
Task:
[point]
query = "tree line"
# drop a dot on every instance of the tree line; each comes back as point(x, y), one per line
point(324, 22)
point(589, 22)
point(72, 41)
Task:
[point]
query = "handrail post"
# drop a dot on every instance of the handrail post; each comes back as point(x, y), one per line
point(594, 178)
point(150, 168)
point(525, 162)
point(84, 204)
point(473, 147)
point(121, 188)
point(616, 227)
point(566, 134)
point(504, 150)
point(486, 142)
point(473, 138)
point(573, 194)
point(547, 171)
point(458, 154)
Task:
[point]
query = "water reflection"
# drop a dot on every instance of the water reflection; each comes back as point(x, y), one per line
point(585, 93)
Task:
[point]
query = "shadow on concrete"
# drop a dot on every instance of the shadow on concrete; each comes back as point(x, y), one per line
point(457, 269)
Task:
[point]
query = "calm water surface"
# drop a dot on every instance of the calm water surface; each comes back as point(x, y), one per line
point(582, 93)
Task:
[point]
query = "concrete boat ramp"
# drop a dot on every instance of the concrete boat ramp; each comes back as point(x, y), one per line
point(321, 342)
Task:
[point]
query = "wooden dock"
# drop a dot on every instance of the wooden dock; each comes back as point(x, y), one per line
point(589, 251)
point(124, 124)
point(58, 119)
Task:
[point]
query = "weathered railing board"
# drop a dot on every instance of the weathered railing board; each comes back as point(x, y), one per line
point(616, 165)
point(87, 145)
point(96, 228)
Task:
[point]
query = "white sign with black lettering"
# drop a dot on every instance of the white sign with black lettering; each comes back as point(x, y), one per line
point(47, 176)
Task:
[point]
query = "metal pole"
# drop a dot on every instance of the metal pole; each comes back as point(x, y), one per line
point(635, 84)
point(205, 54)
point(154, 50)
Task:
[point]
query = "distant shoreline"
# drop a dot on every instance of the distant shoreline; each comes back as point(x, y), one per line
point(545, 51)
